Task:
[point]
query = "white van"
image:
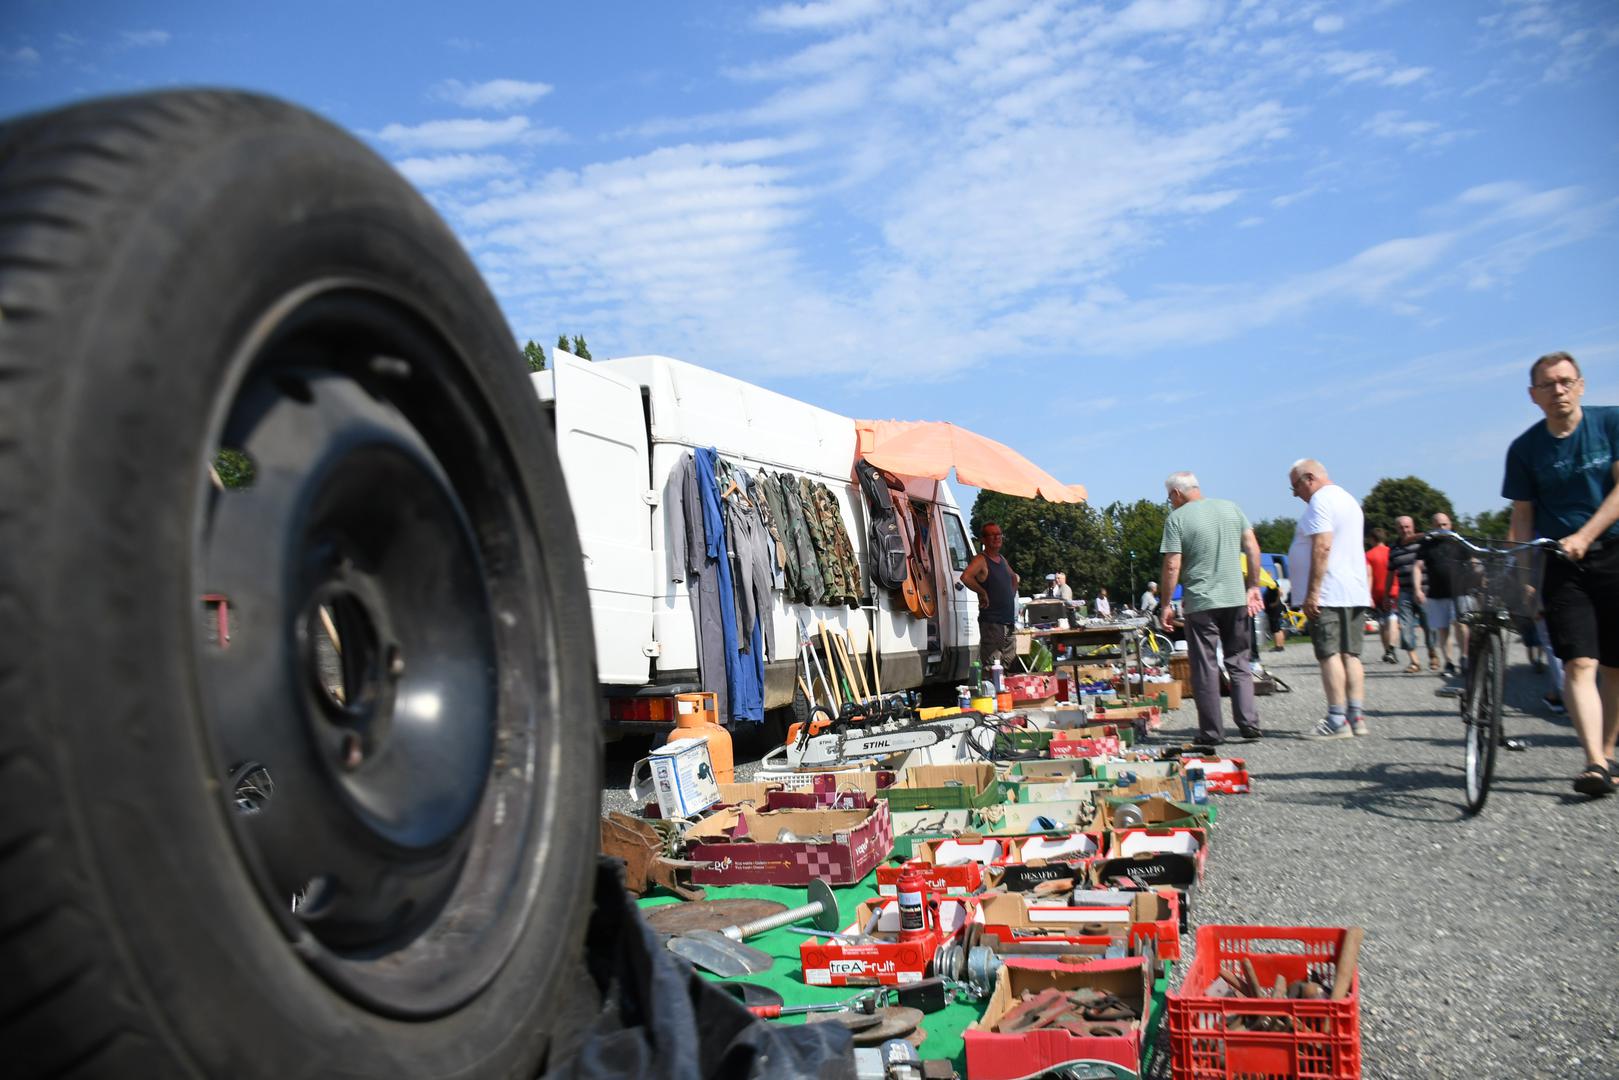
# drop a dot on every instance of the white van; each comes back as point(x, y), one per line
point(621, 426)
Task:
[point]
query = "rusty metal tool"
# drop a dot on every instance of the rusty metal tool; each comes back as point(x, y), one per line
point(822, 907)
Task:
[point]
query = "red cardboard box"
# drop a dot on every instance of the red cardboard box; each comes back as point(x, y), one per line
point(955, 880)
point(740, 846)
point(1064, 746)
point(995, 1056)
point(1222, 776)
point(1153, 917)
point(831, 962)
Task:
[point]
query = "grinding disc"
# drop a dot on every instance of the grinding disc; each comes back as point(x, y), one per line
point(898, 1021)
point(854, 1021)
point(708, 914)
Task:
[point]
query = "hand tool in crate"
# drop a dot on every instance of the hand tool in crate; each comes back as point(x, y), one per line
point(1276, 1001)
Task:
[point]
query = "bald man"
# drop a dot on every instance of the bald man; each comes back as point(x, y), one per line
point(1327, 563)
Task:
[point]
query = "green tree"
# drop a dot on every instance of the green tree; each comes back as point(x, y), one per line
point(1275, 534)
point(234, 469)
point(534, 355)
point(1043, 537)
point(1137, 528)
point(1489, 524)
point(562, 343)
point(1390, 498)
point(580, 349)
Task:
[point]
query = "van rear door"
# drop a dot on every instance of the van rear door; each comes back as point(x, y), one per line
point(602, 443)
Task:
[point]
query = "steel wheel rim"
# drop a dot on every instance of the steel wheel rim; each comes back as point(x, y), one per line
point(382, 803)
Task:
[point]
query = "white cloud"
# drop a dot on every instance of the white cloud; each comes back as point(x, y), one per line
point(1392, 124)
point(1406, 76)
point(931, 185)
point(24, 56)
point(501, 95)
point(453, 168)
point(817, 16)
point(1153, 16)
point(143, 39)
point(467, 134)
point(1328, 24)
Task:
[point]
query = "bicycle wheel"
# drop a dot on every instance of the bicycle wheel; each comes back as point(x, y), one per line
point(1155, 649)
point(1481, 710)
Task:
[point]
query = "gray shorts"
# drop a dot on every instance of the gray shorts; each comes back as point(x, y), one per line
point(995, 640)
point(1338, 630)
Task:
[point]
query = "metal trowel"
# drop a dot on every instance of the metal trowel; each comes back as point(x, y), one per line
point(713, 951)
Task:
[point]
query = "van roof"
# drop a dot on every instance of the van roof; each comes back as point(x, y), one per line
point(698, 407)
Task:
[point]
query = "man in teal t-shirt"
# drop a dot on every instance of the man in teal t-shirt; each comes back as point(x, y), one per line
point(1563, 479)
point(1204, 541)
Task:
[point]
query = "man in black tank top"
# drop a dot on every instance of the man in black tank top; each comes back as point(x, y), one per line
point(992, 578)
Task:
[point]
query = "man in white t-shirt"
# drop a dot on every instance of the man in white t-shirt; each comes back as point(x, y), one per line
point(1327, 565)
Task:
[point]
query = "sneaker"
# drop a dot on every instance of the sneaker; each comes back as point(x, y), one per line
point(1357, 724)
point(1554, 702)
point(1326, 729)
point(1450, 670)
point(1389, 657)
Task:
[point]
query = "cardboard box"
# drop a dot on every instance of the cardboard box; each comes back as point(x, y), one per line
point(1153, 858)
point(1170, 787)
point(1223, 776)
point(1026, 688)
point(1159, 812)
point(1064, 768)
point(1065, 746)
point(741, 848)
point(773, 796)
point(831, 962)
point(864, 777)
point(1153, 919)
point(955, 880)
point(992, 1055)
point(1012, 819)
point(1037, 789)
point(943, 787)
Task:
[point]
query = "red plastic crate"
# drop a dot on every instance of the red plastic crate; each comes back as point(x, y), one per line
point(1325, 1041)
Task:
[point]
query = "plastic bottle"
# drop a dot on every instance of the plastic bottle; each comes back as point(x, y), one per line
point(1197, 785)
point(978, 676)
point(997, 676)
point(695, 717)
point(964, 698)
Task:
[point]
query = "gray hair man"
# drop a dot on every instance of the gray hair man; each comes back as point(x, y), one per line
point(1327, 563)
point(1203, 544)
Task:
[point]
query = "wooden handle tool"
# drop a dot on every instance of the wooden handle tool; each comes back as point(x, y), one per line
point(1348, 960)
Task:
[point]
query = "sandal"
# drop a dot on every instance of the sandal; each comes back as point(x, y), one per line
point(1414, 668)
point(1594, 781)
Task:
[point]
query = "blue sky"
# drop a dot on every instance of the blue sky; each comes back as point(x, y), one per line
point(1124, 237)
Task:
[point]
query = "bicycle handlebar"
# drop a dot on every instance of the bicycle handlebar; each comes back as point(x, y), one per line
point(1542, 543)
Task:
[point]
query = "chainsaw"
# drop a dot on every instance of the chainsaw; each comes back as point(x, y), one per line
point(843, 743)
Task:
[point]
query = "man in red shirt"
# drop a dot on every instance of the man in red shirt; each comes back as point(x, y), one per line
point(1385, 589)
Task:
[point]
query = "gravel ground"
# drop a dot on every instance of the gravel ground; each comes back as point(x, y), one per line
point(1492, 943)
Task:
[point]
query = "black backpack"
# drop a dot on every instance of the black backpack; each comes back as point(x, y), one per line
point(887, 547)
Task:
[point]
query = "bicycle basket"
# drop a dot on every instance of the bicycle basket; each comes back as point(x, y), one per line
point(1504, 580)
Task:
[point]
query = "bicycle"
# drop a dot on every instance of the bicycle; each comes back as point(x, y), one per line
point(1504, 583)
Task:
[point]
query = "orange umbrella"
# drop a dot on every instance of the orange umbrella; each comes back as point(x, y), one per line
point(930, 448)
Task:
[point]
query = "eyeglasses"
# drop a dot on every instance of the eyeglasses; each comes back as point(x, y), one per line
point(1556, 384)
